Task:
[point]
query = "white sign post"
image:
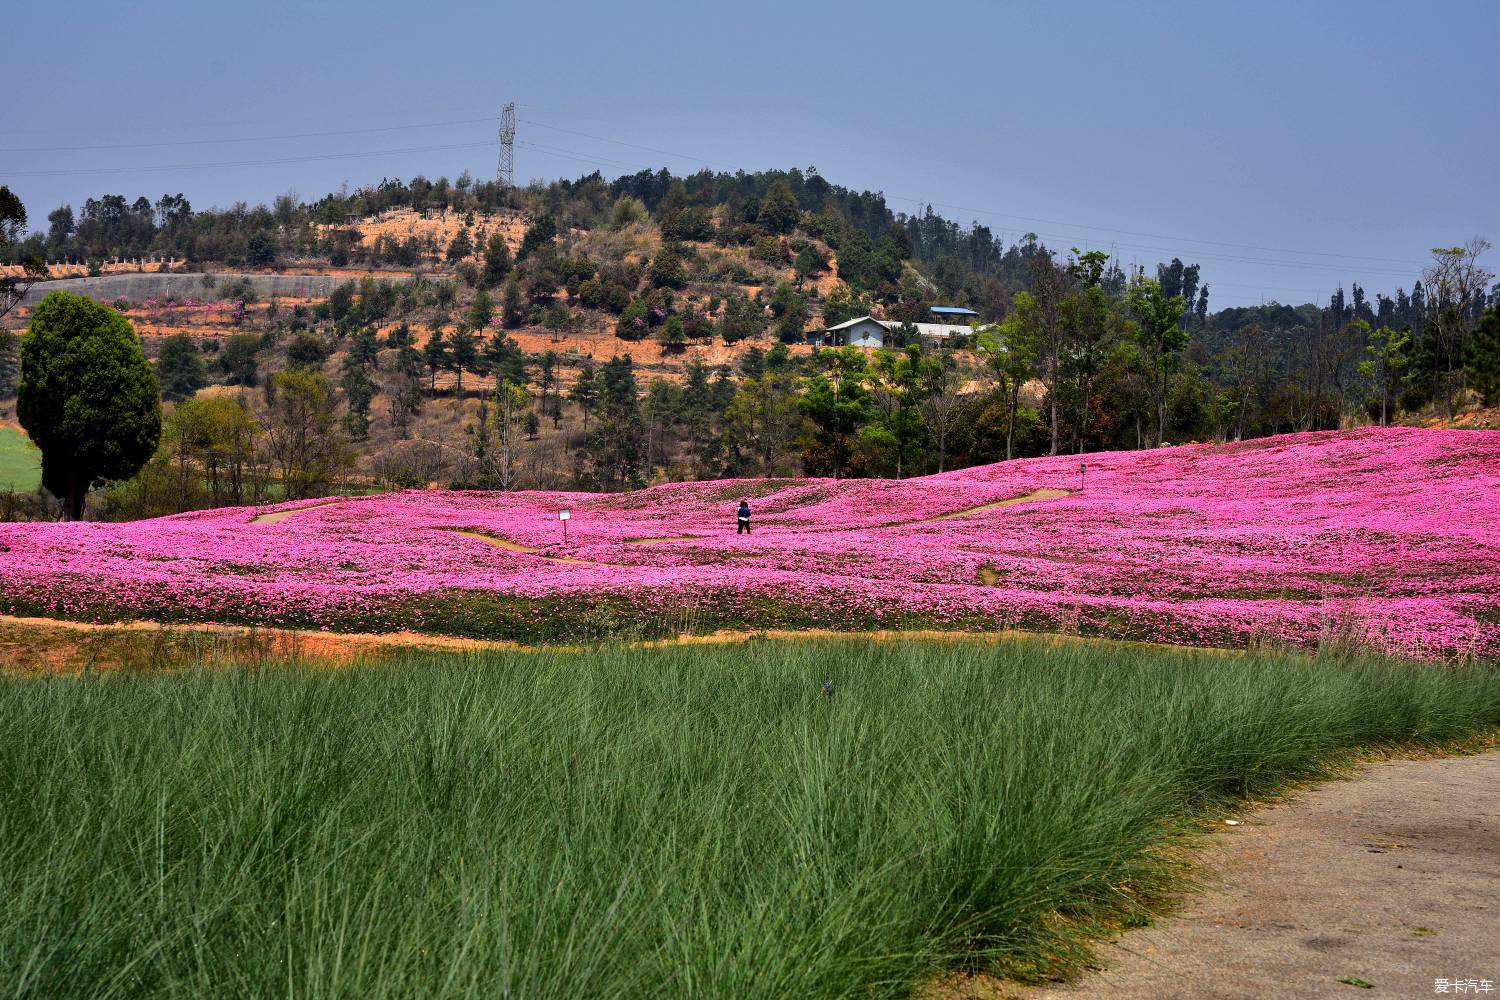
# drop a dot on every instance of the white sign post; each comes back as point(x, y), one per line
point(565, 515)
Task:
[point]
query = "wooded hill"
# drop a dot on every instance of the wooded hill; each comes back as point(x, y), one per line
point(704, 290)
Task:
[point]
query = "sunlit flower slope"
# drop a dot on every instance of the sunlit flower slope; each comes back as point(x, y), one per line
point(1389, 537)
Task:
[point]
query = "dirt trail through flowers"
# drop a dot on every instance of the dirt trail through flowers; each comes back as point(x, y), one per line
point(509, 546)
point(277, 516)
point(1046, 493)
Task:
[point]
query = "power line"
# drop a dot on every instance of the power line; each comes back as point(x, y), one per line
point(252, 163)
point(1176, 239)
point(1023, 218)
point(585, 158)
point(632, 145)
point(257, 138)
point(1062, 238)
point(596, 160)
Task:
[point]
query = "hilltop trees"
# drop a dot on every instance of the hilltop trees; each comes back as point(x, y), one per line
point(778, 209)
point(87, 397)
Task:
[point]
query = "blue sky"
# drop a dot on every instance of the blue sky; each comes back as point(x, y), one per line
point(1288, 148)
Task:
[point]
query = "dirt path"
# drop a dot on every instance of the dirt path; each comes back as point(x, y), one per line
point(1390, 879)
point(277, 516)
point(1045, 493)
point(510, 546)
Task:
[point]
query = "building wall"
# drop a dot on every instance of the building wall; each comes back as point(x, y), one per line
point(866, 334)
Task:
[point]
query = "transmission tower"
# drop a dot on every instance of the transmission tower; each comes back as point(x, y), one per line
point(506, 174)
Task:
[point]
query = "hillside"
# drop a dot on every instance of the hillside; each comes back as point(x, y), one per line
point(681, 318)
point(1382, 537)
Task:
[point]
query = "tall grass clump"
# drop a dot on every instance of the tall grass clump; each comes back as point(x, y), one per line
point(681, 822)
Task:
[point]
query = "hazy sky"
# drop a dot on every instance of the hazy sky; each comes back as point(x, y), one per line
point(1288, 148)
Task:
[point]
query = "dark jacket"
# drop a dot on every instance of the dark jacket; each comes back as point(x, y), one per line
point(744, 514)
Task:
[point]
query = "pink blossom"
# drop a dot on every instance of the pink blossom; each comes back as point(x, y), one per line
point(1387, 536)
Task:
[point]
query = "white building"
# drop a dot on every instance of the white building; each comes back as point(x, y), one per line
point(867, 331)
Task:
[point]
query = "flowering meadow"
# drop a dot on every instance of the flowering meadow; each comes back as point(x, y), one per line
point(1385, 537)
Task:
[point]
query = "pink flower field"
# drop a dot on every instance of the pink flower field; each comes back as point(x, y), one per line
point(1385, 536)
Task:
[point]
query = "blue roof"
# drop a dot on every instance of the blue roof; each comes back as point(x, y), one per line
point(954, 311)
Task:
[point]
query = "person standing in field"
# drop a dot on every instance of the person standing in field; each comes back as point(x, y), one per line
point(744, 518)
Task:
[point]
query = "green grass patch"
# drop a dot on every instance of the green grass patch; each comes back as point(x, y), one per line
point(693, 821)
point(20, 461)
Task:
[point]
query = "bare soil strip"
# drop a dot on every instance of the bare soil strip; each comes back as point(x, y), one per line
point(1390, 879)
point(277, 516)
point(1046, 493)
point(509, 546)
point(53, 645)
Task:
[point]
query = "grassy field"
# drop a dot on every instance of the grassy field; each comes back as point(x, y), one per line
point(20, 461)
point(684, 822)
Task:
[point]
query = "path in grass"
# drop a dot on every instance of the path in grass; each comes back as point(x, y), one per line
point(1391, 879)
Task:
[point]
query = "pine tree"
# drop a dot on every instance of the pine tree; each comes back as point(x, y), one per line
point(497, 260)
point(585, 394)
point(506, 360)
point(511, 313)
point(463, 355)
point(435, 354)
point(461, 247)
point(1483, 360)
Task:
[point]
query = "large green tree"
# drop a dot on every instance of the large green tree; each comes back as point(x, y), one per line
point(87, 397)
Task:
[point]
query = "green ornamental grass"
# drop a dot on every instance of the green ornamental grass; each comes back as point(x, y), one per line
point(692, 821)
